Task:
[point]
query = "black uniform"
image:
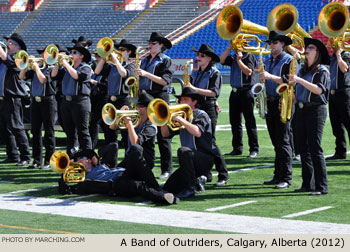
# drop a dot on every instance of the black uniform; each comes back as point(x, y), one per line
point(211, 79)
point(242, 102)
point(311, 115)
point(339, 103)
point(12, 91)
point(43, 112)
point(161, 66)
point(76, 106)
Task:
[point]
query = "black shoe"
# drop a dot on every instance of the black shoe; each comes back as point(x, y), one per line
point(271, 182)
point(23, 163)
point(185, 194)
point(253, 154)
point(200, 182)
point(234, 153)
point(222, 182)
point(282, 185)
point(302, 189)
point(336, 156)
point(34, 165)
point(9, 160)
point(318, 193)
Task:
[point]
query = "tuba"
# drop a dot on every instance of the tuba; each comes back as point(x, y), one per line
point(186, 77)
point(23, 61)
point(134, 82)
point(160, 113)
point(4, 46)
point(73, 172)
point(333, 22)
point(286, 92)
point(105, 47)
point(112, 116)
point(230, 25)
point(284, 18)
point(259, 90)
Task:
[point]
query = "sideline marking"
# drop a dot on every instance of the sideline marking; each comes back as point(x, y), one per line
point(230, 206)
point(165, 216)
point(307, 212)
point(37, 229)
point(227, 127)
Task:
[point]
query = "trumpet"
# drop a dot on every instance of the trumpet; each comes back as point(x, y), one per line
point(4, 46)
point(230, 25)
point(68, 58)
point(105, 47)
point(23, 61)
point(73, 172)
point(112, 116)
point(160, 113)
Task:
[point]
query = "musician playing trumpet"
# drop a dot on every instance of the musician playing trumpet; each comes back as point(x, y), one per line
point(312, 89)
point(241, 100)
point(43, 111)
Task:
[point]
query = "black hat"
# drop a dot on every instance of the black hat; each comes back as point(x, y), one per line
point(82, 40)
point(40, 51)
point(82, 50)
point(277, 35)
point(321, 48)
point(125, 43)
point(144, 99)
point(156, 36)
point(189, 92)
point(85, 153)
point(61, 48)
point(18, 38)
point(208, 50)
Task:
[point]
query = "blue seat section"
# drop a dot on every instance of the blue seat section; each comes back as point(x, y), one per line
point(61, 25)
point(256, 13)
point(10, 21)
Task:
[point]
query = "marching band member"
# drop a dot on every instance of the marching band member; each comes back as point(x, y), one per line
point(312, 89)
point(241, 99)
point(12, 90)
point(43, 111)
point(207, 82)
point(82, 41)
point(276, 71)
point(339, 99)
point(116, 74)
point(156, 72)
point(76, 106)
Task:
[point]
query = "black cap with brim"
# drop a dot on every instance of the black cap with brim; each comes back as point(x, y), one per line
point(189, 92)
point(144, 99)
point(18, 38)
point(208, 50)
point(85, 153)
point(83, 51)
point(82, 40)
point(277, 35)
point(158, 37)
point(325, 59)
point(125, 43)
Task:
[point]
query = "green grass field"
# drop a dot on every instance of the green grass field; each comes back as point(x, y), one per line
point(243, 186)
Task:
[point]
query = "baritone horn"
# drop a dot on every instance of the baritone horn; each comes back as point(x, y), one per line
point(23, 61)
point(160, 113)
point(230, 25)
point(112, 116)
point(284, 18)
point(51, 54)
point(333, 22)
point(105, 47)
point(73, 172)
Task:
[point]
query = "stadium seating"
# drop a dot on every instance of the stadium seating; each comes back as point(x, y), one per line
point(257, 13)
point(10, 21)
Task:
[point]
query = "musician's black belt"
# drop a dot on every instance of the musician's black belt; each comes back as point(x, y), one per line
point(334, 91)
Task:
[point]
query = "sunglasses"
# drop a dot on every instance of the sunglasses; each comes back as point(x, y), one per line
point(311, 47)
point(153, 43)
point(201, 55)
point(75, 52)
point(273, 42)
point(122, 49)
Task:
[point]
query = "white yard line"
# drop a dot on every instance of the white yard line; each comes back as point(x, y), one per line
point(307, 212)
point(230, 206)
point(165, 216)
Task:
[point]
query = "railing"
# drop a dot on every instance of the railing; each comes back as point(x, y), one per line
point(197, 23)
point(128, 5)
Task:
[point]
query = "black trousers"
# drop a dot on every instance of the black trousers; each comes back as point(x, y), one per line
point(219, 160)
point(280, 137)
point(310, 124)
point(11, 120)
point(164, 144)
point(339, 114)
point(242, 102)
point(192, 165)
point(75, 115)
point(97, 103)
point(43, 113)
